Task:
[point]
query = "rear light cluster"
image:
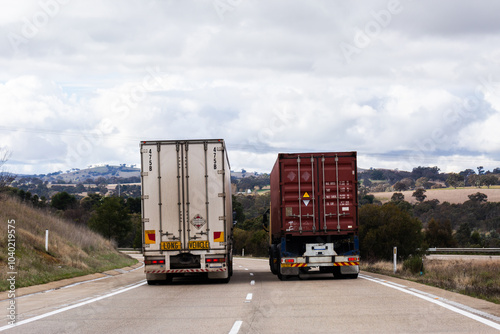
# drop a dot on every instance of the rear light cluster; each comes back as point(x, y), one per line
point(287, 260)
point(353, 259)
point(154, 262)
point(215, 260)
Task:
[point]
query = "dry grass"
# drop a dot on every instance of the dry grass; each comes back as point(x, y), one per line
point(476, 278)
point(454, 196)
point(73, 250)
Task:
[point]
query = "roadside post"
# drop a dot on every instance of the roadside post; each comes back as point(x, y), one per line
point(395, 257)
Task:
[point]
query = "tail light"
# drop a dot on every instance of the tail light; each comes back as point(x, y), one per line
point(353, 259)
point(148, 262)
point(215, 260)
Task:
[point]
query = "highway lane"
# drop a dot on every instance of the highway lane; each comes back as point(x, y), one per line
point(255, 301)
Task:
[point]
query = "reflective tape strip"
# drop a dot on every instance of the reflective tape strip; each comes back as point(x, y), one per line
point(288, 265)
point(178, 271)
point(341, 264)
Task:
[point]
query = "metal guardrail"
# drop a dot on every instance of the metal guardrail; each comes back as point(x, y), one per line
point(464, 250)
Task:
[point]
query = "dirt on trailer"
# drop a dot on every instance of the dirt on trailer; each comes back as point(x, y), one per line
point(453, 196)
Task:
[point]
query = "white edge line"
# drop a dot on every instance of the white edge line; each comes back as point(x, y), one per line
point(449, 307)
point(38, 317)
point(236, 327)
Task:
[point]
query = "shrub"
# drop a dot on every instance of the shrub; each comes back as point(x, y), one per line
point(414, 264)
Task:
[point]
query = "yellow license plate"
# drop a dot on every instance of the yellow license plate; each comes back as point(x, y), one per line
point(199, 245)
point(171, 245)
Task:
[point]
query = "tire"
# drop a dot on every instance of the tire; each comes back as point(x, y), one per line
point(282, 277)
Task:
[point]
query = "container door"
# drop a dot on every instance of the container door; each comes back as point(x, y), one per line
point(299, 191)
point(337, 195)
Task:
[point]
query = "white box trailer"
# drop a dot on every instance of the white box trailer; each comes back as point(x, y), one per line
point(187, 215)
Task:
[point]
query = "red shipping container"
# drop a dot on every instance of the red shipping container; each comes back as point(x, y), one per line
point(314, 194)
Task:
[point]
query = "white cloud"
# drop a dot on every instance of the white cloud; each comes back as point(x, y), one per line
point(97, 77)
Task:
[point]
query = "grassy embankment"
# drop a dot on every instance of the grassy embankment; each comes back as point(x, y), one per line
point(476, 278)
point(73, 250)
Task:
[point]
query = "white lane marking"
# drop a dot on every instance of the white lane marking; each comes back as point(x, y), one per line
point(246, 268)
point(252, 282)
point(38, 317)
point(251, 274)
point(438, 302)
point(236, 327)
point(249, 297)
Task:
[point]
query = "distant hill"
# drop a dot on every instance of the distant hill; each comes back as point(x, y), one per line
point(76, 175)
point(107, 172)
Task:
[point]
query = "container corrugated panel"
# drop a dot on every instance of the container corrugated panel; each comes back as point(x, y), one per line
point(186, 189)
point(314, 194)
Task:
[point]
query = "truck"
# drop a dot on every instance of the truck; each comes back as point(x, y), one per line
point(187, 215)
point(313, 226)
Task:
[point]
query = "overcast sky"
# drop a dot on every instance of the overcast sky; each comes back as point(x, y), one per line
point(403, 83)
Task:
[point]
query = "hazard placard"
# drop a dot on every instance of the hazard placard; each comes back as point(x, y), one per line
point(305, 195)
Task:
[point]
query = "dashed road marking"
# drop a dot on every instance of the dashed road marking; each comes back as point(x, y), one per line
point(236, 327)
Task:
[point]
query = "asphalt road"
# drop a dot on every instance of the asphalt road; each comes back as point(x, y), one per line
point(254, 301)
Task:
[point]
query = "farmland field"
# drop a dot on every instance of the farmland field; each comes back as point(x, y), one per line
point(450, 195)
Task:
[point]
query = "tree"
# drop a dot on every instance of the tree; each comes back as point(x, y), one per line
point(476, 239)
point(463, 235)
point(400, 186)
point(474, 180)
point(428, 172)
point(396, 197)
point(63, 201)
point(387, 226)
point(478, 197)
point(439, 234)
point(111, 219)
point(455, 180)
point(239, 216)
point(377, 174)
point(5, 177)
point(419, 195)
point(489, 180)
point(465, 175)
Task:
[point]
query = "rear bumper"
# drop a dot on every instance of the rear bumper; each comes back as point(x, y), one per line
point(294, 269)
point(181, 271)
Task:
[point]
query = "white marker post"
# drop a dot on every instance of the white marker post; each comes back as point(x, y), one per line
point(395, 256)
point(46, 240)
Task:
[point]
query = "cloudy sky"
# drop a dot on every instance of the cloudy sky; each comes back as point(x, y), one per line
point(404, 83)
